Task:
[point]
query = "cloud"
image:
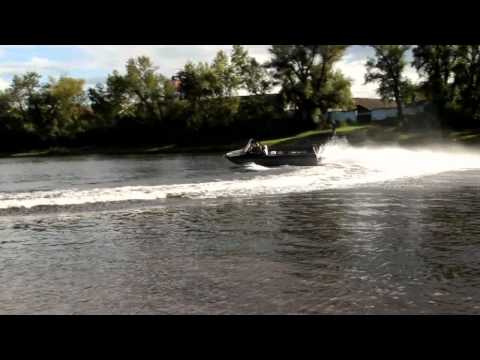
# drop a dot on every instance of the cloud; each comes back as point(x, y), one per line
point(353, 66)
point(355, 71)
point(95, 62)
point(3, 84)
point(92, 82)
point(169, 58)
point(44, 66)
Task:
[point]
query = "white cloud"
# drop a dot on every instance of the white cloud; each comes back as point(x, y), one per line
point(355, 70)
point(3, 84)
point(39, 64)
point(169, 58)
point(96, 61)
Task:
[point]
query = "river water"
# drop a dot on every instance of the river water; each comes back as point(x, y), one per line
point(369, 231)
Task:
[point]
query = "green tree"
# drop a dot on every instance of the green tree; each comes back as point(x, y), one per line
point(251, 75)
point(62, 106)
point(308, 79)
point(12, 127)
point(6, 121)
point(335, 93)
point(145, 87)
point(467, 79)
point(53, 110)
point(225, 81)
point(436, 63)
point(111, 101)
point(387, 68)
point(23, 87)
point(5, 103)
point(412, 92)
point(210, 94)
point(196, 82)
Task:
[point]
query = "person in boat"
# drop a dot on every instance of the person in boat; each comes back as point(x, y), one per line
point(253, 147)
point(250, 146)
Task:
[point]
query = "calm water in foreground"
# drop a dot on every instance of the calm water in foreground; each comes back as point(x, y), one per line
point(371, 231)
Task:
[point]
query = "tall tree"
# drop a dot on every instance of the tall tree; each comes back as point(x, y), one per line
point(145, 86)
point(6, 121)
point(197, 81)
point(111, 101)
point(306, 74)
point(210, 90)
point(412, 92)
point(467, 79)
point(252, 76)
point(22, 90)
point(63, 106)
point(436, 63)
point(387, 68)
point(226, 81)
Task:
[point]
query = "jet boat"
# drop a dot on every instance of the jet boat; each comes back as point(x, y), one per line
point(255, 152)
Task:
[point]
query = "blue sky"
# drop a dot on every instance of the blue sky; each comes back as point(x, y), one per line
point(94, 62)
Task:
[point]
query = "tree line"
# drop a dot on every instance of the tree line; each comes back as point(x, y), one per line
point(450, 80)
point(202, 104)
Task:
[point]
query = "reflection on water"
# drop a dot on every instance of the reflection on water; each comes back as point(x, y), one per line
point(368, 251)
point(409, 245)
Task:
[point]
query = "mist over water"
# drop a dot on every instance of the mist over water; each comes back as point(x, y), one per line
point(341, 166)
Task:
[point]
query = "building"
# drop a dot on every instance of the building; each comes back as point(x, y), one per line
point(374, 109)
point(368, 110)
point(362, 111)
point(343, 117)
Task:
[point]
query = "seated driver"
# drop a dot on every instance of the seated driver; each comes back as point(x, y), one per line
point(255, 147)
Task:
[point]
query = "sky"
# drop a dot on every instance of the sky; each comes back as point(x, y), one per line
point(94, 62)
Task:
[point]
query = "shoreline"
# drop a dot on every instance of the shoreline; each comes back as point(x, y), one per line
point(371, 135)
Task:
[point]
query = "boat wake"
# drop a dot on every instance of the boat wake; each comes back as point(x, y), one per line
point(342, 166)
point(255, 167)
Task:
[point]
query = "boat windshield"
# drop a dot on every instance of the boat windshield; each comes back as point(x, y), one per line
point(253, 147)
point(249, 145)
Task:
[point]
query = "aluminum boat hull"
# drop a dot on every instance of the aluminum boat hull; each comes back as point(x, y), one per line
point(273, 160)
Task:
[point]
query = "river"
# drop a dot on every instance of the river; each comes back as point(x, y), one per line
point(369, 231)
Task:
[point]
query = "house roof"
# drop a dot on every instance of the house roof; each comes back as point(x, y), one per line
point(371, 104)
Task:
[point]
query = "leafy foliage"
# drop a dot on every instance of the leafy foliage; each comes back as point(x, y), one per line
point(451, 79)
point(436, 63)
point(308, 80)
point(387, 68)
point(251, 75)
point(467, 79)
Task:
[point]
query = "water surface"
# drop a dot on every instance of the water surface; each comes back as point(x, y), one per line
point(370, 231)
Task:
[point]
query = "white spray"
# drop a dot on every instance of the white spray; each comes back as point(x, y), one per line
point(342, 166)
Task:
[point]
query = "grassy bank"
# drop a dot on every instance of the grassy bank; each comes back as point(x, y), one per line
point(138, 150)
point(381, 135)
point(302, 140)
point(312, 137)
point(356, 135)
